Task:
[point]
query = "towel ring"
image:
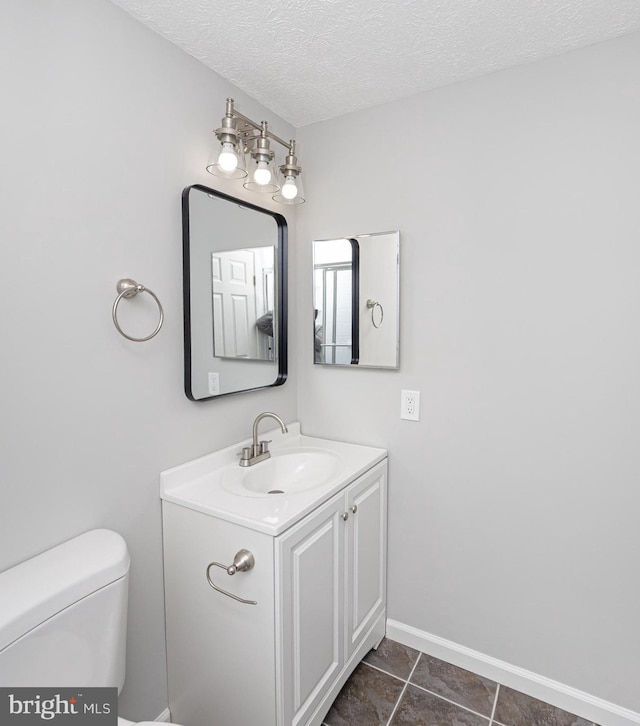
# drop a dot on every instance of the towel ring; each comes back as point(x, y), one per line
point(130, 288)
point(372, 304)
point(242, 562)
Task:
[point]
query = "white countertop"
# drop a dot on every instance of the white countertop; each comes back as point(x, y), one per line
point(198, 484)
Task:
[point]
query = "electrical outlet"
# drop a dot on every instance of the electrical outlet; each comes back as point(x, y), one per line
point(214, 384)
point(410, 405)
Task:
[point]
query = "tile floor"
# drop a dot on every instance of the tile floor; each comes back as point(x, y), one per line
point(399, 686)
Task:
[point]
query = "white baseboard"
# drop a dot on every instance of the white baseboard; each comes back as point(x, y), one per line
point(557, 694)
point(164, 717)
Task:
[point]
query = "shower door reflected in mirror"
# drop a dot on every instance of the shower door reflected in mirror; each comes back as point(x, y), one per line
point(356, 300)
point(335, 269)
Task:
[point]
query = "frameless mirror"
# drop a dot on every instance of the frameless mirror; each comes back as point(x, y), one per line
point(234, 271)
point(356, 299)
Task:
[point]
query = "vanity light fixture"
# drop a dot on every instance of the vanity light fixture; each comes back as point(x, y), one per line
point(245, 153)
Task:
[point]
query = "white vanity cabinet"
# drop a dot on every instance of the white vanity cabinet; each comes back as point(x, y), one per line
point(332, 582)
point(319, 588)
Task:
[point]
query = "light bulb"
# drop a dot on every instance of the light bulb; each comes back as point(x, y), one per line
point(228, 159)
point(289, 188)
point(262, 175)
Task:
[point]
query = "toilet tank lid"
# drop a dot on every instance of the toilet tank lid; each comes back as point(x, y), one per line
point(37, 589)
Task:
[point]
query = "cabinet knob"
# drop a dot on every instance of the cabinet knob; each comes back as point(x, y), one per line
point(354, 508)
point(345, 516)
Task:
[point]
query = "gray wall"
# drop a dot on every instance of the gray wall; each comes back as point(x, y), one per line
point(103, 124)
point(514, 501)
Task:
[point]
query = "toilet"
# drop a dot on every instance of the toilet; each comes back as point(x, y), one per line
point(63, 616)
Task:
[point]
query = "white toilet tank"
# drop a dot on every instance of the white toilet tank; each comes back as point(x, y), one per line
point(63, 615)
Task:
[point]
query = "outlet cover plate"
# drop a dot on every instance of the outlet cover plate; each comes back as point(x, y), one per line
point(410, 405)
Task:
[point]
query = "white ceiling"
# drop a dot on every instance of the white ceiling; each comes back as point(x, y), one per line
point(310, 60)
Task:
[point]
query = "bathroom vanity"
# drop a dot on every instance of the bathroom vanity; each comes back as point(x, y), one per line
point(272, 644)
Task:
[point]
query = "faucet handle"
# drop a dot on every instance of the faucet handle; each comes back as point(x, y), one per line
point(264, 446)
point(246, 453)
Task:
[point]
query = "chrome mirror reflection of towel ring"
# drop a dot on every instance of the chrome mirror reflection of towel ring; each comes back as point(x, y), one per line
point(130, 288)
point(372, 305)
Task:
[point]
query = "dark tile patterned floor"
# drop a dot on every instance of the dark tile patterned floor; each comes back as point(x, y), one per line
point(399, 686)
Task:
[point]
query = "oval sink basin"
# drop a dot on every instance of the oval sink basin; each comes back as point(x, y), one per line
point(286, 472)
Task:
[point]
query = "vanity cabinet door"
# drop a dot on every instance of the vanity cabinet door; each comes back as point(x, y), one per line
point(366, 554)
point(310, 559)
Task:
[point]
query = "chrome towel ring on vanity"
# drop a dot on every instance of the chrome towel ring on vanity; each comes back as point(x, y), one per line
point(130, 288)
point(242, 562)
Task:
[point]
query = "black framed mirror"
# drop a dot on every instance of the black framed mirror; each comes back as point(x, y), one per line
point(235, 295)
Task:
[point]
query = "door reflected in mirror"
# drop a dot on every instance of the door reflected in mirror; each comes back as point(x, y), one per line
point(357, 300)
point(242, 283)
point(234, 257)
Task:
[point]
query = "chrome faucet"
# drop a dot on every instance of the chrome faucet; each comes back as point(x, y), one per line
point(259, 451)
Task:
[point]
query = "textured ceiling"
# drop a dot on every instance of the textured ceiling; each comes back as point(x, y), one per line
point(310, 60)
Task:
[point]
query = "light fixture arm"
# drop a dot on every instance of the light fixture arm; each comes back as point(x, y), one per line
point(228, 133)
point(290, 166)
point(232, 114)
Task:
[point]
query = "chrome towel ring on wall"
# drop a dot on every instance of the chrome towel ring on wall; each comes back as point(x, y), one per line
point(372, 304)
point(130, 288)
